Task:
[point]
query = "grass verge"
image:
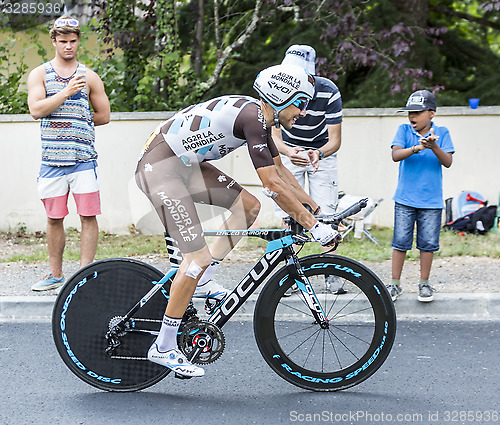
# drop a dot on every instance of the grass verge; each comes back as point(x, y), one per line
point(23, 246)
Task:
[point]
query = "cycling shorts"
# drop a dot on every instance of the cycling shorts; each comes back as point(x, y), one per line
point(174, 187)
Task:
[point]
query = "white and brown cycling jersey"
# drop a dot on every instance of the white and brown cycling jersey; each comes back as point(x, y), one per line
point(174, 169)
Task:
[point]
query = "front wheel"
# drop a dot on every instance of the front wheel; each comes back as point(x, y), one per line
point(340, 352)
point(93, 301)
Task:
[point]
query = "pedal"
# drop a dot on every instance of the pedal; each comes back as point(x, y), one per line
point(178, 376)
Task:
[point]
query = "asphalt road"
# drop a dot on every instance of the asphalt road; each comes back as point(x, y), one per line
point(437, 373)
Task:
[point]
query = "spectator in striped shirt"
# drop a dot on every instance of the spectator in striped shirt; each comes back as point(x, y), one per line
point(60, 94)
point(309, 148)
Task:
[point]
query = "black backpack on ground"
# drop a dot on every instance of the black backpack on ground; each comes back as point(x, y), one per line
point(480, 221)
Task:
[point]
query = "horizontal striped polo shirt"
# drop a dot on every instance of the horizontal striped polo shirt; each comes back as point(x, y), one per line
point(325, 108)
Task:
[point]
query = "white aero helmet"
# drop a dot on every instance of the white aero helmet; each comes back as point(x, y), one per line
point(281, 85)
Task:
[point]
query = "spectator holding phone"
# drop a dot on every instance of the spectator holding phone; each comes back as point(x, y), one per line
point(61, 93)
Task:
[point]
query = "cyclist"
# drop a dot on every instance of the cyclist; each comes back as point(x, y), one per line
point(175, 172)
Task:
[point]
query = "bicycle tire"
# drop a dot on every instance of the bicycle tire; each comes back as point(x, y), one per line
point(89, 301)
point(361, 332)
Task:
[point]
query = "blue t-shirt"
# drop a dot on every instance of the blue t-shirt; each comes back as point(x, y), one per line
point(420, 182)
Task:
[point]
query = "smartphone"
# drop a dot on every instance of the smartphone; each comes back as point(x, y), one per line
point(78, 95)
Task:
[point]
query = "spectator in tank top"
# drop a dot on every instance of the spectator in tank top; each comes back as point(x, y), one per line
point(69, 99)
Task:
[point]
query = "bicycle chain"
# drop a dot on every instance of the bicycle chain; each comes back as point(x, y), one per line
point(202, 332)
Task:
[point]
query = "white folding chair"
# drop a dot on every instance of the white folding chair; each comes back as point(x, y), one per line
point(360, 222)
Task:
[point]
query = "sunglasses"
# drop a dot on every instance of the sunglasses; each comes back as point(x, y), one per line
point(67, 22)
point(301, 103)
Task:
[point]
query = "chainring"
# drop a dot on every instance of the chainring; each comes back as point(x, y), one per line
point(206, 333)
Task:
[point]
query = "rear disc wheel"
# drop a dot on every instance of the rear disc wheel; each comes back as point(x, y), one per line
point(90, 304)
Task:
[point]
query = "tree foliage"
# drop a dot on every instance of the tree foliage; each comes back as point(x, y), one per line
point(13, 67)
point(167, 54)
point(376, 51)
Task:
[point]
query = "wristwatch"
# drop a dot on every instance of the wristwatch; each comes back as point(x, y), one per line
point(321, 154)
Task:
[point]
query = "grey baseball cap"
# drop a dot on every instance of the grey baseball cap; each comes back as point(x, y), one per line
point(421, 100)
point(301, 55)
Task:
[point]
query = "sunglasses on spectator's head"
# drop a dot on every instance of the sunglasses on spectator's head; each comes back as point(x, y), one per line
point(67, 22)
point(301, 103)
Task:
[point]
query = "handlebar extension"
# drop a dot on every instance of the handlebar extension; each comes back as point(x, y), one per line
point(334, 219)
point(337, 218)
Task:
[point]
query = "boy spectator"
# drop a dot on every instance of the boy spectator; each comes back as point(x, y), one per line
point(421, 148)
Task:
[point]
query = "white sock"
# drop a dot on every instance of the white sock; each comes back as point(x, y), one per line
point(167, 338)
point(209, 272)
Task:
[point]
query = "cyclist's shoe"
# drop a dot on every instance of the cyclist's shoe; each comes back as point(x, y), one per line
point(334, 285)
point(340, 291)
point(175, 361)
point(394, 291)
point(425, 293)
point(211, 289)
point(47, 283)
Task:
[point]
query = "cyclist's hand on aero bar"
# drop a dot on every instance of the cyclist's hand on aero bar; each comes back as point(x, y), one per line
point(325, 234)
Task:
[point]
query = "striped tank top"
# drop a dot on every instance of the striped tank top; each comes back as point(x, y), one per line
point(67, 133)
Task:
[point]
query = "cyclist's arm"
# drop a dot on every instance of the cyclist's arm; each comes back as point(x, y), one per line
point(293, 184)
point(283, 148)
point(264, 154)
point(280, 189)
point(284, 196)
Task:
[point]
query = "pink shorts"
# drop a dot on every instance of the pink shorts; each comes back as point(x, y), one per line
point(55, 183)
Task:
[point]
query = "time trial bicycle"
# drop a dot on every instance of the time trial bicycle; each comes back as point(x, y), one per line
point(108, 313)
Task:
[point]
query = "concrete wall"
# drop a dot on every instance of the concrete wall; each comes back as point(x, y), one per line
point(365, 165)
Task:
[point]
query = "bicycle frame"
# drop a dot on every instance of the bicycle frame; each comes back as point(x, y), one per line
point(315, 342)
point(278, 249)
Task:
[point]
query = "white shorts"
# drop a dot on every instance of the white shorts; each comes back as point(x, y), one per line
point(323, 184)
point(55, 183)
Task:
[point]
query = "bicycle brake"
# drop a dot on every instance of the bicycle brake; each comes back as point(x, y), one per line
point(301, 238)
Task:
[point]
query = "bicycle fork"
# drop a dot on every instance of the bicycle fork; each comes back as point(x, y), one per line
point(302, 282)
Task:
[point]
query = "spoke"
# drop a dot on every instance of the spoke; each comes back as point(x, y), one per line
point(335, 350)
point(352, 335)
point(354, 325)
point(345, 346)
point(303, 342)
point(333, 305)
point(313, 325)
point(350, 301)
point(312, 346)
point(305, 312)
point(353, 312)
point(323, 354)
